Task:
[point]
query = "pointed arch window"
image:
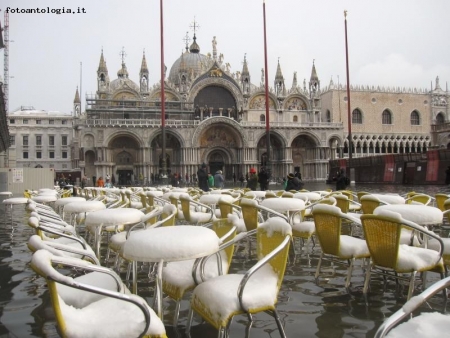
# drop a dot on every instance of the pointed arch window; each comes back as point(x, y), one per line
point(415, 118)
point(295, 118)
point(386, 117)
point(357, 116)
point(262, 118)
point(440, 118)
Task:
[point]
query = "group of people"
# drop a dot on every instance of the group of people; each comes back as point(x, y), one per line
point(206, 180)
point(292, 181)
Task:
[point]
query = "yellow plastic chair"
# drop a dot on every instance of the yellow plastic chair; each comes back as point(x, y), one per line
point(440, 201)
point(205, 213)
point(335, 245)
point(419, 199)
point(219, 299)
point(157, 217)
point(369, 203)
point(391, 258)
point(96, 304)
point(178, 277)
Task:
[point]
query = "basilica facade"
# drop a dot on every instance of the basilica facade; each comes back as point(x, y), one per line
point(218, 117)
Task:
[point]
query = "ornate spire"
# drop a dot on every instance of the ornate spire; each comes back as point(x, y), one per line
point(314, 83)
point(144, 68)
point(77, 97)
point(245, 71)
point(186, 40)
point(279, 74)
point(182, 63)
point(314, 77)
point(123, 72)
point(294, 81)
point(195, 48)
point(102, 65)
point(280, 89)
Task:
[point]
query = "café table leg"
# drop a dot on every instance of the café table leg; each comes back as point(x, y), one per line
point(134, 272)
point(158, 298)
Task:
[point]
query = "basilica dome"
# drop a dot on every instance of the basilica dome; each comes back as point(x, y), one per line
point(122, 81)
point(190, 62)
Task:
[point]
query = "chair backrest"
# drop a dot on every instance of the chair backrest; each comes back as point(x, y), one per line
point(342, 202)
point(287, 194)
point(249, 209)
point(185, 201)
point(222, 227)
point(328, 222)
point(348, 193)
point(143, 198)
point(382, 234)
point(361, 194)
point(369, 203)
point(226, 207)
point(270, 194)
point(419, 199)
point(270, 235)
point(440, 201)
point(169, 214)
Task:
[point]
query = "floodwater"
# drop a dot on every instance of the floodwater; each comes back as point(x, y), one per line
point(307, 309)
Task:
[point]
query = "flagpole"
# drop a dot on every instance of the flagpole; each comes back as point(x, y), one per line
point(349, 115)
point(163, 100)
point(268, 163)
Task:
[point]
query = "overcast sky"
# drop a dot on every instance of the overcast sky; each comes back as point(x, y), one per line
point(391, 43)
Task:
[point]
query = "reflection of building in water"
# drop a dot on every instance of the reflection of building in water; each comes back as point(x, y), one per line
point(217, 117)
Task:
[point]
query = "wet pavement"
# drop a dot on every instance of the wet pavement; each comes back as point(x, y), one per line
point(306, 308)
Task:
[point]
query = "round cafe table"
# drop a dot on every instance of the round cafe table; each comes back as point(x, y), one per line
point(60, 203)
point(284, 205)
point(168, 244)
point(312, 196)
point(80, 207)
point(111, 220)
point(420, 214)
point(390, 198)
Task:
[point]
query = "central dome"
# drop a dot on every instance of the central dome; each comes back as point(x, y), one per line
point(190, 62)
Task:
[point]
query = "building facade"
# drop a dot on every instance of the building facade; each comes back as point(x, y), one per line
point(217, 117)
point(40, 139)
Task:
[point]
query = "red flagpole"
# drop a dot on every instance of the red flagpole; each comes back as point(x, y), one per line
point(163, 99)
point(349, 115)
point(268, 164)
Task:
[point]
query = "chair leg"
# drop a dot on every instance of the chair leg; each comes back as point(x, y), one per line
point(411, 284)
point(367, 279)
point(280, 326)
point(189, 321)
point(349, 273)
point(318, 267)
point(176, 314)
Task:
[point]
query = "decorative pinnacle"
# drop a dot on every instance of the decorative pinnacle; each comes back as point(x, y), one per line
point(194, 26)
point(345, 14)
point(123, 54)
point(186, 40)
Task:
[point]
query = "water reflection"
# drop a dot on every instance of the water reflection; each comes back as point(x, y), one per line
point(306, 309)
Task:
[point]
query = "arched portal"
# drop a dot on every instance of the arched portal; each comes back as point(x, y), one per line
point(89, 167)
point(276, 154)
point(303, 148)
point(173, 153)
point(220, 145)
point(124, 151)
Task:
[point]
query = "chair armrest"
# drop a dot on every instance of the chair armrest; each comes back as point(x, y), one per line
point(425, 231)
point(411, 305)
point(202, 260)
point(45, 228)
point(273, 212)
point(257, 266)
